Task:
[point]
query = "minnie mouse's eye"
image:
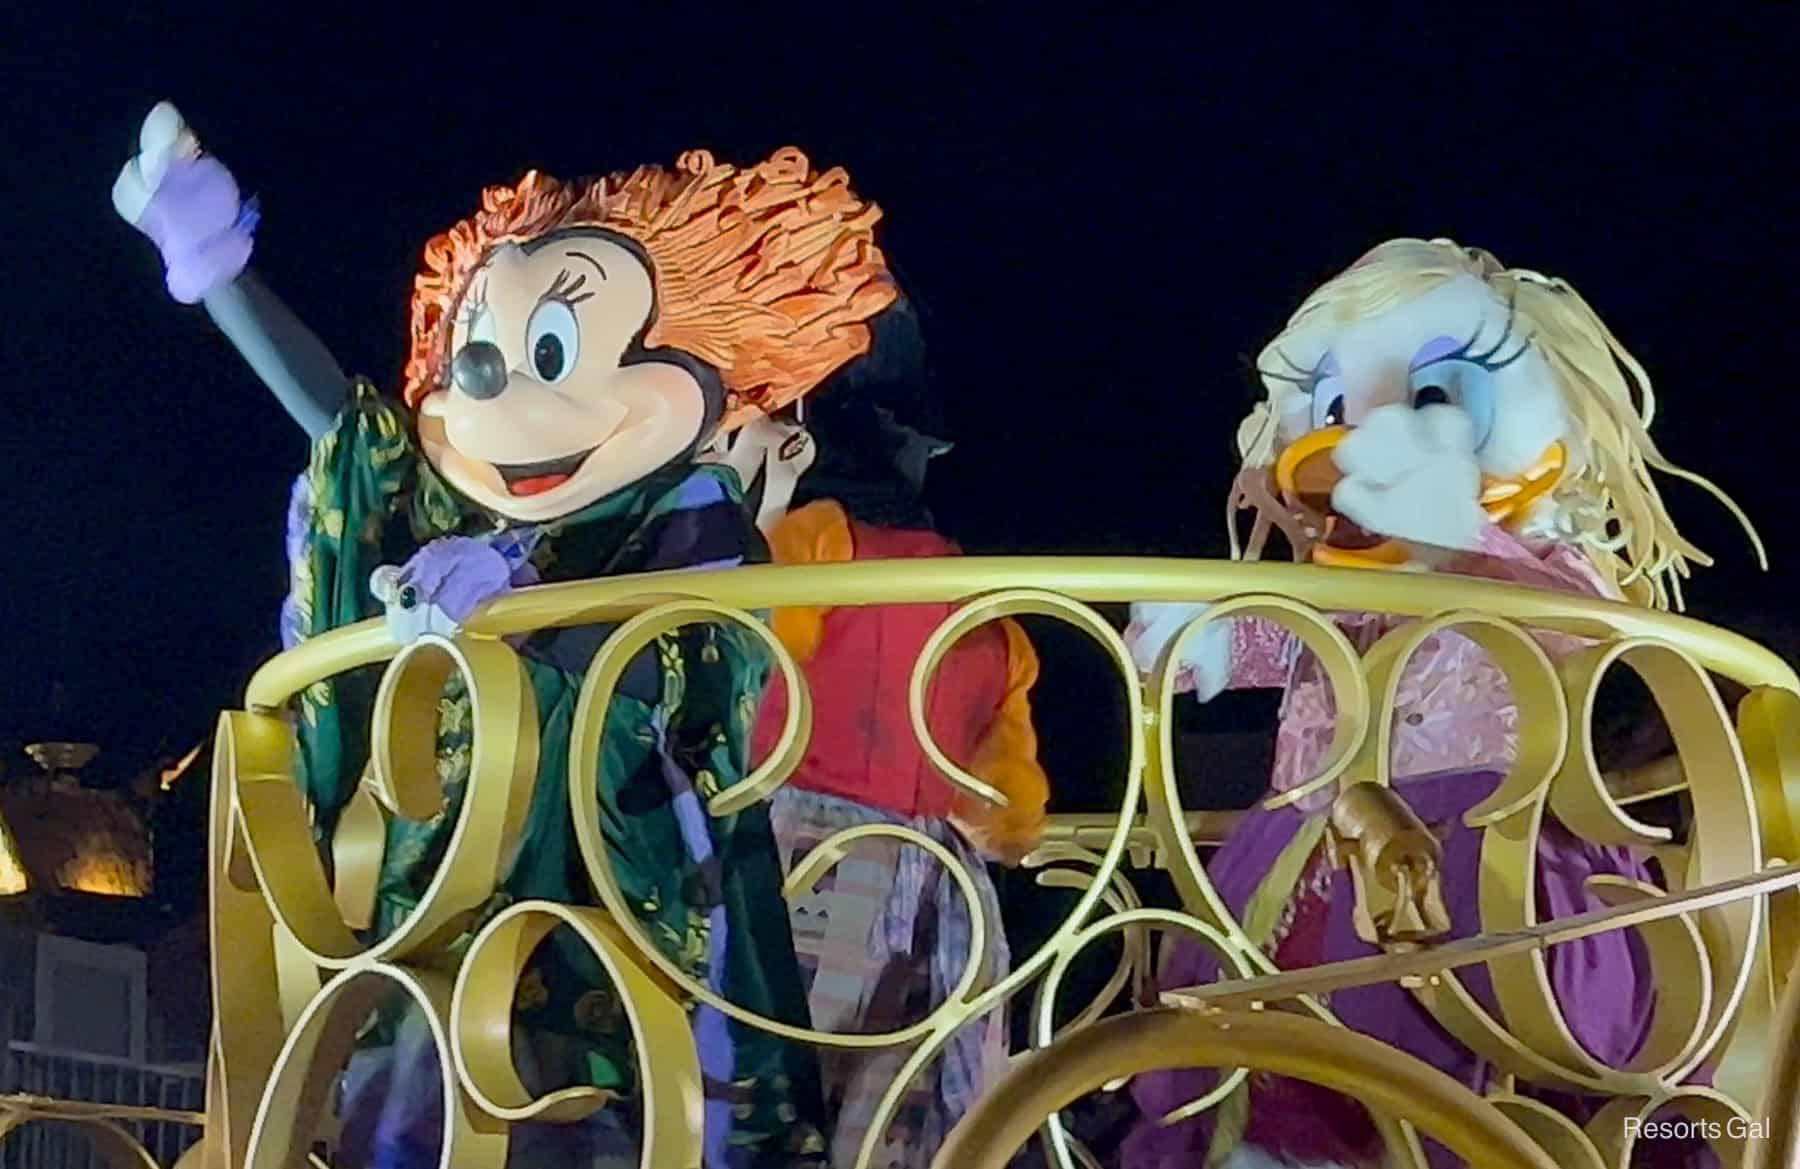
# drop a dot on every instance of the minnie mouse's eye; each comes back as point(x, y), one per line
point(554, 341)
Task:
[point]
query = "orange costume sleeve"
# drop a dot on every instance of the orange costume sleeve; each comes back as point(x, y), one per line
point(818, 533)
point(1007, 761)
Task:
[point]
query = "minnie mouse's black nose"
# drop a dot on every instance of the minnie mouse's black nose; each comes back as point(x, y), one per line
point(479, 370)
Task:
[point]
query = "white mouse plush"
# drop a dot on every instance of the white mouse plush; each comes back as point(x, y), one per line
point(440, 587)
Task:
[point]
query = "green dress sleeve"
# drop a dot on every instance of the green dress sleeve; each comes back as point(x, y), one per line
point(370, 499)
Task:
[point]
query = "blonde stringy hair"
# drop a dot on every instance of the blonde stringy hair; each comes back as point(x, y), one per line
point(1607, 503)
point(767, 273)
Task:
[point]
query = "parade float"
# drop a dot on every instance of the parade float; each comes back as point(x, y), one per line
point(1456, 916)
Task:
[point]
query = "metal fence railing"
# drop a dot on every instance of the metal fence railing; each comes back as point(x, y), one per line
point(30, 1069)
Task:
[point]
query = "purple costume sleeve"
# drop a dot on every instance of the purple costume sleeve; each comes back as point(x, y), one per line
point(712, 1030)
point(299, 514)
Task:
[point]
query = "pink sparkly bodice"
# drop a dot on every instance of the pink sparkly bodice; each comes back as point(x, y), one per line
point(1454, 709)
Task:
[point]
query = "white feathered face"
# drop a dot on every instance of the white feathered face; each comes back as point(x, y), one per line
point(1453, 373)
point(1457, 345)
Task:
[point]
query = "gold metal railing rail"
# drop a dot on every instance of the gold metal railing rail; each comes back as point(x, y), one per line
point(102, 1124)
point(293, 979)
point(1093, 580)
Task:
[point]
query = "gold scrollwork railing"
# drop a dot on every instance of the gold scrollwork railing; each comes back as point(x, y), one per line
point(293, 981)
point(103, 1125)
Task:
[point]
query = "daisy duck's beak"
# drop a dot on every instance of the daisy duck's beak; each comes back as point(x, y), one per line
point(1306, 473)
point(1508, 500)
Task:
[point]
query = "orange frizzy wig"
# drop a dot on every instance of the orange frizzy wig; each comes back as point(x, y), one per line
point(768, 274)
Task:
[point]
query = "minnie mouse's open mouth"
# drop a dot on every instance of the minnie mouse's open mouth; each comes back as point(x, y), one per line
point(537, 478)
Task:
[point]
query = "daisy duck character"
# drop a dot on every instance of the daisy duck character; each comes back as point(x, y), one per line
point(575, 346)
point(886, 933)
point(1429, 410)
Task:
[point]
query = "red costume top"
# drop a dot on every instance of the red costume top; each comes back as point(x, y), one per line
point(858, 664)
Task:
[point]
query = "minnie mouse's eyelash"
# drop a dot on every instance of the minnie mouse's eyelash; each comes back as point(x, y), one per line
point(564, 289)
point(473, 305)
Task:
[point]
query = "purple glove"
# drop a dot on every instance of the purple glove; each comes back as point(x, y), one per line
point(200, 226)
point(440, 587)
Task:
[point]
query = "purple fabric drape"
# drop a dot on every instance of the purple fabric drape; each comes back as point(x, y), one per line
point(1602, 982)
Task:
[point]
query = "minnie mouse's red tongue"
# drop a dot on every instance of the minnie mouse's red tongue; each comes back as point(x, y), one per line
point(537, 478)
point(536, 485)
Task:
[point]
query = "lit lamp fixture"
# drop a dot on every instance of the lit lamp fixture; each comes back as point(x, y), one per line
point(62, 759)
point(99, 857)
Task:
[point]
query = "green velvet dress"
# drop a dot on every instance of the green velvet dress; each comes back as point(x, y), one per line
point(373, 500)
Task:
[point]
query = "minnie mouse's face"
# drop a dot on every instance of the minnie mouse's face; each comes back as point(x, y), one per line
point(547, 409)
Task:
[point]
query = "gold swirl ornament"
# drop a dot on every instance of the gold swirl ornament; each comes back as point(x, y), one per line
point(587, 745)
point(255, 986)
point(1349, 745)
point(503, 768)
point(481, 1029)
point(1768, 726)
point(321, 1043)
point(1388, 1081)
point(287, 923)
point(1701, 964)
point(278, 922)
point(114, 1147)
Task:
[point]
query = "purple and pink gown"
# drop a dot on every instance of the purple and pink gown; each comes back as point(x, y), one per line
point(1455, 733)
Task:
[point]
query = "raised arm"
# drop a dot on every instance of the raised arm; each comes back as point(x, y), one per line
point(289, 358)
point(189, 206)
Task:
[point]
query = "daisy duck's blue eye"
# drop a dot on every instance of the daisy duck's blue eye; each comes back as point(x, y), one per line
point(1448, 372)
point(1325, 384)
point(1442, 377)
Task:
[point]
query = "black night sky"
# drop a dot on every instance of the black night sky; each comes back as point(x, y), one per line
point(1101, 212)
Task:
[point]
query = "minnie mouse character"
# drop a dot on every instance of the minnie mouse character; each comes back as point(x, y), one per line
point(575, 345)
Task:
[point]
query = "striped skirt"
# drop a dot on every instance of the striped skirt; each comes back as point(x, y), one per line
point(882, 941)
